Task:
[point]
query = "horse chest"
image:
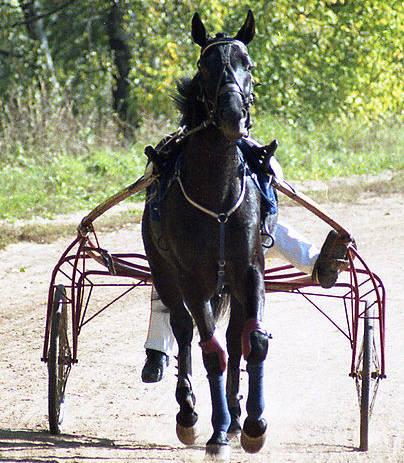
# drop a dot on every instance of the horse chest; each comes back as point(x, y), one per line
point(197, 243)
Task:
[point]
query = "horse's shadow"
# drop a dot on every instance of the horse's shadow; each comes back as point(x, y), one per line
point(22, 440)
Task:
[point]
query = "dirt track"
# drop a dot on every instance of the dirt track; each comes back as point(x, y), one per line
point(112, 416)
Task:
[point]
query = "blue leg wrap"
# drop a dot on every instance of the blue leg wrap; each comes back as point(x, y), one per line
point(255, 402)
point(220, 412)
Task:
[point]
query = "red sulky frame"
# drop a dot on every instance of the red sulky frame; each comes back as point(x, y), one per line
point(83, 263)
point(85, 266)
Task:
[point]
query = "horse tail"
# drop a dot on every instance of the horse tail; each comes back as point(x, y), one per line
point(220, 305)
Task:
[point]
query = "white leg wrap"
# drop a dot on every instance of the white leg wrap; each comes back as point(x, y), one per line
point(160, 336)
point(293, 247)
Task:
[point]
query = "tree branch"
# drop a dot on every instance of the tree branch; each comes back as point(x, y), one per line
point(40, 16)
point(8, 5)
point(9, 54)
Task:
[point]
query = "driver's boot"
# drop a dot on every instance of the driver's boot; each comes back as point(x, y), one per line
point(154, 366)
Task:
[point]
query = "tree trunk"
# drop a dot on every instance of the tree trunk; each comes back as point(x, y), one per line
point(121, 55)
point(36, 31)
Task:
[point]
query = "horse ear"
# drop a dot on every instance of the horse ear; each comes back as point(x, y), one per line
point(199, 34)
point(247, 31)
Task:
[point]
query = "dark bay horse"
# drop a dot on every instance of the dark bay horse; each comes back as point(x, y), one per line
point(208, 238)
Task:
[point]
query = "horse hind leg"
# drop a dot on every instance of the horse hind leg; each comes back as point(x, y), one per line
point(233, 336)
point(255, 348)
point(182, 326)
point(233, 401)
point(186, 419)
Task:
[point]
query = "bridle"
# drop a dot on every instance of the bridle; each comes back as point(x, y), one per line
point(211, 104)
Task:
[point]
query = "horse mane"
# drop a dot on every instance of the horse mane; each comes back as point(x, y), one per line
point(186, 98)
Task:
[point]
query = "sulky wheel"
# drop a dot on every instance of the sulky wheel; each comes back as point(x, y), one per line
point(364, 368)
point(59, 360)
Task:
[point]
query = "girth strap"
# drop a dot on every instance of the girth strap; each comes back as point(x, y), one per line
point(222, 262)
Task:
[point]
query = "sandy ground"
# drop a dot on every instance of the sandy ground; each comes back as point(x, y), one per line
point(113, 417)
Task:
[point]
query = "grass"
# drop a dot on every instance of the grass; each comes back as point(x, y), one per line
point(333, 150)
point(67, 165)
point(66, 184)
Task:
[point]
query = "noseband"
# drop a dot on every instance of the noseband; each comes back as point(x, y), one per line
point(234, 86)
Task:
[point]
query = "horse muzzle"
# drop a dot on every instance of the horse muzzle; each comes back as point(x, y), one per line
point(232, 115)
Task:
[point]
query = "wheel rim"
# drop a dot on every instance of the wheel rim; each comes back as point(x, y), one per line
point(367, 377)
point(59, 361)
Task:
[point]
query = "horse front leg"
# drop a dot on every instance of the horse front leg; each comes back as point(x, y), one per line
point(214, 359)
point(255, 348)
point(215, 362)
point(186, 418)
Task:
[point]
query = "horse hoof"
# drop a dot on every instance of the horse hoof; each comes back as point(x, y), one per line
point(187, 435)
point(234, 428)
point(218, 447)
point(253, 435)
point(218, 452)
point(252, 444)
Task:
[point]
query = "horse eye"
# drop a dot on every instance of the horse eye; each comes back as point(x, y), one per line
point(247, 63)
point(251, 65)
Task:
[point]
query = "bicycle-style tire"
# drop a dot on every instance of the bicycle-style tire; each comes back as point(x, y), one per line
point(59, 360)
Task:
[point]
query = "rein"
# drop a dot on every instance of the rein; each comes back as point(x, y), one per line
point(222, 218)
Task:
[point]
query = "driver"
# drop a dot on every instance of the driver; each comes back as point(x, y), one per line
point(323, 265)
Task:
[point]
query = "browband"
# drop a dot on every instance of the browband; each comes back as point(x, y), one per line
point(224, 42)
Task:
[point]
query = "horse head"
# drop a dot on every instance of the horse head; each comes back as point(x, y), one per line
point(226, 83)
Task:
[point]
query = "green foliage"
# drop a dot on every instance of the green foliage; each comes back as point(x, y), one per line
point(65, 184)
point(316, 60)
point(329, 59)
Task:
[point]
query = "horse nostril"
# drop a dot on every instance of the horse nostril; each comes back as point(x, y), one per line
point(232, 114)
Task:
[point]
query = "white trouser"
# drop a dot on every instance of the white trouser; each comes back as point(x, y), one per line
point(288, 245)
point(160, 336)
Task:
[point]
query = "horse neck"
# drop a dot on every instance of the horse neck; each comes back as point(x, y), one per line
point(211, 169)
